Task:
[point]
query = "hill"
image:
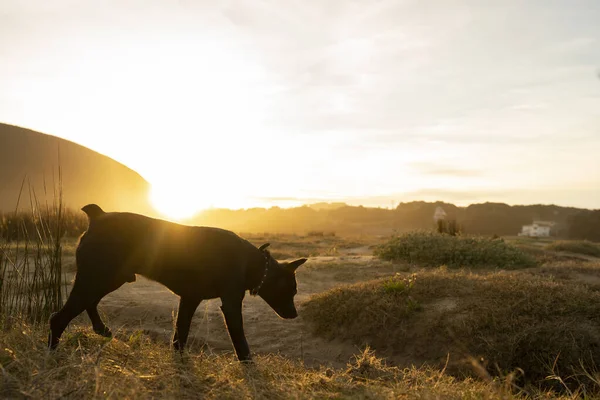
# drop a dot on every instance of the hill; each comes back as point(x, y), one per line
point(87, 176)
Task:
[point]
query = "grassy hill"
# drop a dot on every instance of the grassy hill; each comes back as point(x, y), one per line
point(87, 176)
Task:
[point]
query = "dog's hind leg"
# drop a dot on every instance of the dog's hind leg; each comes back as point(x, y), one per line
point(86, 294)
point(76, 303)
point(99, 327)
point(187, 308)
point(232, 311)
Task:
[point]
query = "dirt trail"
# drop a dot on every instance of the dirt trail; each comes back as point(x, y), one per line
point(151, 307)
point(578, 256)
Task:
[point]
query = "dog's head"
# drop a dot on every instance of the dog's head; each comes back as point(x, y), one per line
point(279, 286)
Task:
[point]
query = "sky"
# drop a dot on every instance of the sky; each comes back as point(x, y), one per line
point(261, 103)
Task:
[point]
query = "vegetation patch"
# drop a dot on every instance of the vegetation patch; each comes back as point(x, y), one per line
point(585, 273)
point(313, 245)
point(502, 322)
point(576, 246)
point(132, 366)
point(31, 278)
point(545, 256)
point(431, 249)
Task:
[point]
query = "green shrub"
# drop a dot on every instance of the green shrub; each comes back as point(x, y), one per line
point(451, 227)
point(576, 246)
point(397, 284)
point(429, 249)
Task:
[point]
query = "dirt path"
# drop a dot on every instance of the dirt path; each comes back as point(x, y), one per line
point(149, 306)
point(578, 256)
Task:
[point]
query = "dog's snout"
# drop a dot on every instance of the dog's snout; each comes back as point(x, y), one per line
point(286, 312)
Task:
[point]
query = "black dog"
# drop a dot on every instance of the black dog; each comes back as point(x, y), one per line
point(195, 263)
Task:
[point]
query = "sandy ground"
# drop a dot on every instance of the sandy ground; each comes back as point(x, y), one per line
point(149, 306)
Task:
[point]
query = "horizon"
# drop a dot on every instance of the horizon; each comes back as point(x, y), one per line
point(343, 202)
point(238, 106)
point(396, 205)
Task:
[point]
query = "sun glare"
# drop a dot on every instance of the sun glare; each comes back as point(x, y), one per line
point(174, 205)
point(180, 200)
point(205, 117)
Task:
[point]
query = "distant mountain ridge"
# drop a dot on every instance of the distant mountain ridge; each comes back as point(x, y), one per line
point(87, 176)
point(483, 219)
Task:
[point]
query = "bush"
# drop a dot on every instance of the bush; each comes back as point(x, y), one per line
point(506, 321)
point(576, 246)
point(450, 227)
point(430, 249)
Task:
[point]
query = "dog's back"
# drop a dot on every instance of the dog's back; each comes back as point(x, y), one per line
point(181, 257)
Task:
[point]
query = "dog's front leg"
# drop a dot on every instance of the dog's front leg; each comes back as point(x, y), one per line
point(187, 308)
point(232, 311)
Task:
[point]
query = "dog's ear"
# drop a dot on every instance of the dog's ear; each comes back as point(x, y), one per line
point(293, 266)
point(93, 211)
point(264, 246)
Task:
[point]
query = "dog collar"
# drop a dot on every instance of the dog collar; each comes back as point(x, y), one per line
point(254, 291)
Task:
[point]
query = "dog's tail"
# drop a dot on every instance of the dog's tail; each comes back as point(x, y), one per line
point(93, 211)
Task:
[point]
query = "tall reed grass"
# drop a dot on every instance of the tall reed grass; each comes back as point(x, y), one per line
point(31, 279)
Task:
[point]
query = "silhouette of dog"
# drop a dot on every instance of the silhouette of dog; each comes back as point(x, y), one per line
point(196, 263)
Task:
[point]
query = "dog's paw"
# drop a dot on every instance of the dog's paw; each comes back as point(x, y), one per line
point(104, 331)
point(177, 346)
point(247, 361)
point(52, 342)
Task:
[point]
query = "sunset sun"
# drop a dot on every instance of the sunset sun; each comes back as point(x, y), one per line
point(174, 205)
point(207, 114)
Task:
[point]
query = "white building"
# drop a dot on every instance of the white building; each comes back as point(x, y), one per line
point(537, 229)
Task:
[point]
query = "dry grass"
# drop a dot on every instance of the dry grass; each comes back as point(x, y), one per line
point(551, 251)
point(31, 278)
point(576, 246)
point(584, 273)
point(293, 246)
point(507, 321)
point(133, 366)
point(545, 256)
